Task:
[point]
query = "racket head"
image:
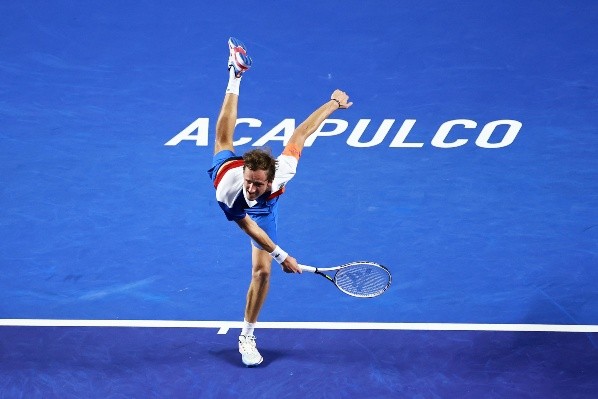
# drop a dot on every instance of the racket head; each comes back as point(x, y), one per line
point(362, 279)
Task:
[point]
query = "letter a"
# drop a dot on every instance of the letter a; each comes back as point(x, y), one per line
point(201, 126)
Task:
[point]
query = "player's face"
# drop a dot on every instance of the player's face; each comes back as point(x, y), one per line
point(256, 183)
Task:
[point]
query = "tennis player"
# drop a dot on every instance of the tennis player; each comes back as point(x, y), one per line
point(248, 189)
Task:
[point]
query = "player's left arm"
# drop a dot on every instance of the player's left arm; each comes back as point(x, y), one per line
point(338, 100)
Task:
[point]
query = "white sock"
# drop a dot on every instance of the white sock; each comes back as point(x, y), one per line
point(233, 82)
point(248, 328)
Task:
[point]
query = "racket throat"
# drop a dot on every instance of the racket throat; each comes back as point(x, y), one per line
point(325, 275)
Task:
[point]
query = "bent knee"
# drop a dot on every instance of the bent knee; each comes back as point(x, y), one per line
point(261, 273)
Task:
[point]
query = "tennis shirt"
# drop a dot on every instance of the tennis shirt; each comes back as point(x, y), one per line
point(231, 194)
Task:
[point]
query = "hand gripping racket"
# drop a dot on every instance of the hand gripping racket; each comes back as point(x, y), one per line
point(360, 279)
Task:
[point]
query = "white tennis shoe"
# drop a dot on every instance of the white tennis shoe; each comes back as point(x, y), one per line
point(248, 350)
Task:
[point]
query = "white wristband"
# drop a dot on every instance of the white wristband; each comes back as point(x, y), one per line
point(279, 254)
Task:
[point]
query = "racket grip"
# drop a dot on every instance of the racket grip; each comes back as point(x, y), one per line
point(306, 268)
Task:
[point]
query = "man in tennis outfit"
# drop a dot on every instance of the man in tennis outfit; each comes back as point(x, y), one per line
point(248, 189)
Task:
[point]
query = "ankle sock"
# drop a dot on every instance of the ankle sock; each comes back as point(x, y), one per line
point(233, 82)
point(248, 328)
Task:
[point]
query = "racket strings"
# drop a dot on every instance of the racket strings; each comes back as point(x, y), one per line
point(362, 279)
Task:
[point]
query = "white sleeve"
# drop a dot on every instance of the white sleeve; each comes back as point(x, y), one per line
point(285, 170)
point(230, 186)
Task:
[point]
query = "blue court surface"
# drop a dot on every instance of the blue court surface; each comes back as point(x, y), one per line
point(468, 165)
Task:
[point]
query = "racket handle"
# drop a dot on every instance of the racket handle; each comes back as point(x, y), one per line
point(306, 268)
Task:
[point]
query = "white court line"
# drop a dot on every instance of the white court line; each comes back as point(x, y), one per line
point(224, 326)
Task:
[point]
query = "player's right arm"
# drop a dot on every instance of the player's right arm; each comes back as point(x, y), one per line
point(251, 228)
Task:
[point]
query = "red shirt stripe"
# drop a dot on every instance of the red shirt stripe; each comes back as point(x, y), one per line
point(276, 193)
point(226, 168)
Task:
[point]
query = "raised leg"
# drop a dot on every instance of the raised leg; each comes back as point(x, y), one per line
point(225, 126)
point(238, 63)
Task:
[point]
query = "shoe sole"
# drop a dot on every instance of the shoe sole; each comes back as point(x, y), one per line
point(234, 42)
point(245, 59)
point(255, 364)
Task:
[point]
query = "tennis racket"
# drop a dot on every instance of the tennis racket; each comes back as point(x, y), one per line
point(360, 279)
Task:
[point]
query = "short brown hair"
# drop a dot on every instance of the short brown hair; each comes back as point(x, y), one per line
point(261, 160)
